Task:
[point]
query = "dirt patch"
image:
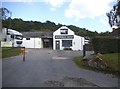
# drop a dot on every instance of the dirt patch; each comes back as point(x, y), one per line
point(77, 82)
point(70, 82)
point(53, 84)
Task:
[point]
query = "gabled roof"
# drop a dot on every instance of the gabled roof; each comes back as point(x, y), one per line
point(62, 29)
point(37, 34)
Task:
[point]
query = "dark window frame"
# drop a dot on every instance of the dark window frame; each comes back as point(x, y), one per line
point(67, 43)
point(27, 38)
point(63, 31)
point(12, 36)
point(19, 37)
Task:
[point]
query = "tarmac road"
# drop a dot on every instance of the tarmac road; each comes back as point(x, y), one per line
point(48, 68)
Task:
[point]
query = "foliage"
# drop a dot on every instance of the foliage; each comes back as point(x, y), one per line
point(105, 45)
point(107, 33)
point(5, 13)
point(114, 15)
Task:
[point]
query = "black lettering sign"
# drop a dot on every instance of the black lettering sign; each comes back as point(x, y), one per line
point(64, 37)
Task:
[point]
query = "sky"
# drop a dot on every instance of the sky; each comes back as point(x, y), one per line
point(89, 14)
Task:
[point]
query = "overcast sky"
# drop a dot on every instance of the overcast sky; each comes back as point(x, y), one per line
point(90, 14)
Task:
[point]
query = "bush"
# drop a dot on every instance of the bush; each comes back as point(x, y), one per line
point(105, 45)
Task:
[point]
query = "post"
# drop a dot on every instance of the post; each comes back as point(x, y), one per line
point(84, 53)
point(23, 53)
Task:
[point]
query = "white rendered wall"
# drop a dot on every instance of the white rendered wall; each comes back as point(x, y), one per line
point(32, 43)
point(57, 32)
point(38, 43)
point(28, 43)
point(77, 41)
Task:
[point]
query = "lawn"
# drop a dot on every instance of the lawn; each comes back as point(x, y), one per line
point(8, 52)
point(111, 60)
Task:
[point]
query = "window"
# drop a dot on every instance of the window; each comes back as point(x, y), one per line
point(5, 39)
point(19, 42)
point(19, 37)
point(8, 32)
point(66, 43)
point(12, 36)
point(64, 31)
point(27, 38)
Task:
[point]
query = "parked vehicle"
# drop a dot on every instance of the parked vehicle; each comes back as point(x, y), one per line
point(13, 36)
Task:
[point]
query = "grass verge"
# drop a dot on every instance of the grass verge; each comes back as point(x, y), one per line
point(0, 52)
point(112, 61)
point(9, 52)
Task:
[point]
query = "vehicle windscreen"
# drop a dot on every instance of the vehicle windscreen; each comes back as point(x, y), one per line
point(19, 37)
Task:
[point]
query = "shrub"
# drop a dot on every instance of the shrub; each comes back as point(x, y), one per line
point(105, 45)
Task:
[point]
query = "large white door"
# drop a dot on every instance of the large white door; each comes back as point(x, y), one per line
point(38, 43)
point(28, 42)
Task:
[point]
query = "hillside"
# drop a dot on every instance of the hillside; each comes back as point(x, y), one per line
point(31, 26)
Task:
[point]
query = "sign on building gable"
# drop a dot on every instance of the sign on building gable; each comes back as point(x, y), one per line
point(64, 37)
point(63, 31)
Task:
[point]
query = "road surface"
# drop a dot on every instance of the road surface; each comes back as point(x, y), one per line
point(48, 68)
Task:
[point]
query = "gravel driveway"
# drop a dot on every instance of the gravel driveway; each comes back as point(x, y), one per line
point(48, 68)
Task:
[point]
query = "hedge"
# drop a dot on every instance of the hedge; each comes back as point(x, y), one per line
point(106, 45)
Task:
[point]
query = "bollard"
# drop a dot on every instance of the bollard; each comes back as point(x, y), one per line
point(23, 53)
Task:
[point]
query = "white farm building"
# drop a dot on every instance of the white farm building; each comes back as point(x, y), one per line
point(65, 38)
point(61, 39)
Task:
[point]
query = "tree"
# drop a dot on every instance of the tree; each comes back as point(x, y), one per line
point(114, 15)
point(5, 16)
point(5, 13)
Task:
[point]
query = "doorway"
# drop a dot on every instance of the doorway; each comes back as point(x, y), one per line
point(47, 42)
point(57, 45)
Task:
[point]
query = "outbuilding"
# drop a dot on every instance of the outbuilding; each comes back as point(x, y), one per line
point(37, 39)
point(65, 38)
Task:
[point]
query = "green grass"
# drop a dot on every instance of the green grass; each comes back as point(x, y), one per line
point(9, 52)
point(0, 52)
point(111, 60)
